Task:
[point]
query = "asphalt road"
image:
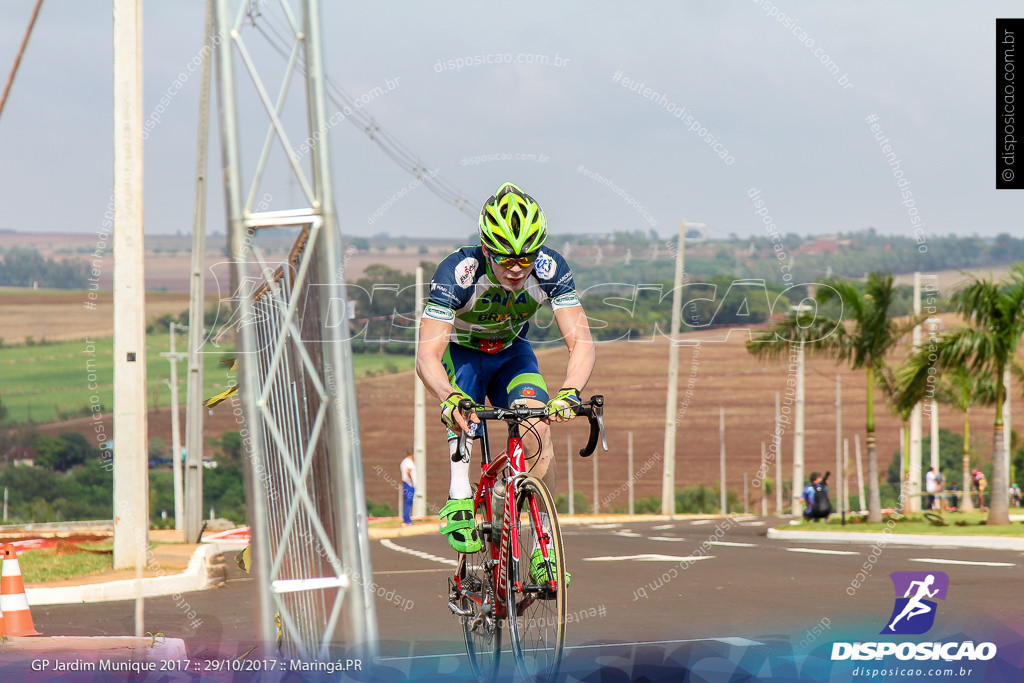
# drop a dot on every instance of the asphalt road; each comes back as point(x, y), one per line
point(637, 592)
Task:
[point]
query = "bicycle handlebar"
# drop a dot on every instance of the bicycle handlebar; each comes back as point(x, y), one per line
point(593, 410)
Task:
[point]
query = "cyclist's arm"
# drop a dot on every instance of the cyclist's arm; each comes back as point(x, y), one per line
point(434, 336)
point(572, 323)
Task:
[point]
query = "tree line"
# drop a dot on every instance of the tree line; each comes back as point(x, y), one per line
point(27, 268)
point(961, 367)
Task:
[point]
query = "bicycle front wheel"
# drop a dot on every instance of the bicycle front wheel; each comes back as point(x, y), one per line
point(482, 629)
point(535, 594)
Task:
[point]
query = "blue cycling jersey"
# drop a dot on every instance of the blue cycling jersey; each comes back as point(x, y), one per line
point(486, 316)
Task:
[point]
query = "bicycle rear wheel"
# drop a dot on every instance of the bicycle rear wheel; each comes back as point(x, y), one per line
point(482, 630)
point(536, 614)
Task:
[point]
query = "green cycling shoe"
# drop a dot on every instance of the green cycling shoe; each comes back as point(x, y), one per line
point(461, 526)
point(538, 567)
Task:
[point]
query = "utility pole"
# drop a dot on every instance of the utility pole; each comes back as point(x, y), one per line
point(419, 430)
point(721, 458)
point(777, 437)
point(131, 474)
point(798, 430)
point(192, 506)
point(629, 468)
point(839, 441)
point(914, 500)
point(668, 483)
point(860, 474)
point(798, 419)
point(173, 357)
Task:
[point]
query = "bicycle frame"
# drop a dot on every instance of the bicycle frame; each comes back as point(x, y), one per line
point(492, 585)
point(509, 469)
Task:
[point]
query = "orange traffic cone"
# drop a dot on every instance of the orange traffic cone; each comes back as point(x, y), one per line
point(13, 603)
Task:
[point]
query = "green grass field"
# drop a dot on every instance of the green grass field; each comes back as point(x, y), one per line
point(955, 524)
point(52, 564)
point(62, 380)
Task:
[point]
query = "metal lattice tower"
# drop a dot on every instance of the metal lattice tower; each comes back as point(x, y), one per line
point(307, 507)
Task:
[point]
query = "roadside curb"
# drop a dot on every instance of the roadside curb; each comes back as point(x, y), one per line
point(985, 542)
point(197, 576)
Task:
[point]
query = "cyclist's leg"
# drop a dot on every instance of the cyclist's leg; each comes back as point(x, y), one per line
point(520, 381)
point(464, 372)
point(463, 366)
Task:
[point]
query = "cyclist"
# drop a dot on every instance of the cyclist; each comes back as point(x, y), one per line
point(473, 342)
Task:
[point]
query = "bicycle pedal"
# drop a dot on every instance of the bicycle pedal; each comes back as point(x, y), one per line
point(458, 611)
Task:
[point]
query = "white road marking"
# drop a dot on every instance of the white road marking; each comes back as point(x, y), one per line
point(734, 641)
point(662, 527)
point(733, 544)
point(604, 526)
point(648, 557)
point(388, 543)
point(752, 524)
point(627, 533)
point(665, 538)
point(818, 551)
point(698, 522)
point(931, 560)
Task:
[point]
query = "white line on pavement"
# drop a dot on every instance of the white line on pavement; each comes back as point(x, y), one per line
point(931, 560)
point(627, 533)
point(388, 543)
point(662, 527)
point(818, 551)
point(665, 538)
point(648, 557)
point(733, 544)
point(728, 640)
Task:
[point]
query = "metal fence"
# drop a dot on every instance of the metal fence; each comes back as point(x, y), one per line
point(306, 507)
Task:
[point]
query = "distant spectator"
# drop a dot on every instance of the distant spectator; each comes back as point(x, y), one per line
point(408, 486)
point(816, 498)
point(929, 487)
point(954, 498)
point(979, 484)
point(940, 489)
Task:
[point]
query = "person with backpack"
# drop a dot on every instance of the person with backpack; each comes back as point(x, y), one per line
point(816, 498)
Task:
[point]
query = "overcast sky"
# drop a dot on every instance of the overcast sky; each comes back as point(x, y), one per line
point(755, 78)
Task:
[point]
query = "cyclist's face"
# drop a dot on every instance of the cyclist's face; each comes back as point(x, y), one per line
point(513, 278)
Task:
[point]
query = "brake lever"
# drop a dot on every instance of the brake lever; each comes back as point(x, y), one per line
point(461, 451)
point(595, 415)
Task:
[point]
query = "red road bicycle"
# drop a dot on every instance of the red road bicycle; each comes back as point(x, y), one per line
point(515, 516)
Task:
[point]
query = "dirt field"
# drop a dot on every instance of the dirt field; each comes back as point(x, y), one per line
point(62, 315)
point(717, 373)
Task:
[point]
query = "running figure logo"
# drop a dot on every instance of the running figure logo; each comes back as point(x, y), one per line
point(914, 613)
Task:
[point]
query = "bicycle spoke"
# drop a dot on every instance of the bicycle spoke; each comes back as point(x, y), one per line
point(482, 630)
point(537, 620)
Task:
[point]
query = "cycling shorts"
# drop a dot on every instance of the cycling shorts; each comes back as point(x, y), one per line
point(503, 377)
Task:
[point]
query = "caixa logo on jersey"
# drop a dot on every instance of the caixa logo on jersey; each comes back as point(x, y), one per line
point(914, 610)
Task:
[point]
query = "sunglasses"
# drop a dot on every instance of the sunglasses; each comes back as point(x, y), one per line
point(523, 260)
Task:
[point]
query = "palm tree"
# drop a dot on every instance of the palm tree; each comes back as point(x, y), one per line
point(957, 387)
point(863, 345)
point(995, 316)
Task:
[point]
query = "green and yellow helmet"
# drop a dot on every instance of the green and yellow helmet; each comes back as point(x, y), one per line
point(512, 223)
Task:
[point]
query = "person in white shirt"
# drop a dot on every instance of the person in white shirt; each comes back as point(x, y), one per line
point(930, 488)
point(408, 486)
